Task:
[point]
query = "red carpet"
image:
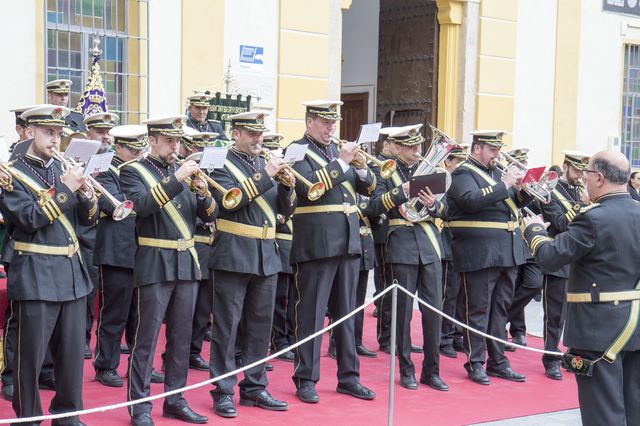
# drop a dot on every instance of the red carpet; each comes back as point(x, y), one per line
point(465, 403)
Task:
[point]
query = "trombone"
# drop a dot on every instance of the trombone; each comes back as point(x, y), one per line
point(387, 167)
point(540, 190)
point(289, 175)
point(121, 208)
point(230, 197)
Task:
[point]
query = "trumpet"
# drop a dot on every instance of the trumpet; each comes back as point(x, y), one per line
point(540, 190)
point(122, 209)
point(230, 197)
point(387, 167)
point(288, 176)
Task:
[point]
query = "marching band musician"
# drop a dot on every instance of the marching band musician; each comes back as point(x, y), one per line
point(601, 244)
point(198, 111)
point(451, 335)
point(325, 251)
point(246, 262)
point(166, 268)
point(414, 252)
point(48, 279)
point(487, 249)
point(114, 255)
point(58, 94)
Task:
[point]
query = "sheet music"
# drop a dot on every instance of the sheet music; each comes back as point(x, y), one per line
point(213, 157)
point(369, 133)
point(295, 153)
point(82, 149)
point(98, 163)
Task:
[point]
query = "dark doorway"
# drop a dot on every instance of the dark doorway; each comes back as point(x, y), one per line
point(355, 112)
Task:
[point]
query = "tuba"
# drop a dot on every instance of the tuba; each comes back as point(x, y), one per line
point(441, 146)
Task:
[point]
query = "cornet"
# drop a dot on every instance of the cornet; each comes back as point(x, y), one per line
point(540, 190)
point(230, 197)
point(387, 167)
point(121, 208)
point(289, 175)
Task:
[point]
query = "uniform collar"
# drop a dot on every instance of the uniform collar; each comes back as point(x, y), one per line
point(116, 161)
point(242, 155)
point(156, 161)
point(476, 163)
point(37, 161)
point(386, 156)
point(612, 196)
point(405, 165)
point(562, 181)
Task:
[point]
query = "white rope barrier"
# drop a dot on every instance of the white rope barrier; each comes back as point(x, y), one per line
point(268, 358)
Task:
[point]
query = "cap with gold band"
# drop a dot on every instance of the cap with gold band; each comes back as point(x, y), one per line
point(133, 136)
point(193, 138)
point(460, 151)
point(490, 137)
point(103, 120)
point(519, 154)
point(407, 135)
point(272, 140)
point(18, 111)
point(577, 159)
point(386, 131)
point(324, 109)
point(46, 115)
point(61, 86)
point(171, 125)
point(250, 120)
point(201, 100)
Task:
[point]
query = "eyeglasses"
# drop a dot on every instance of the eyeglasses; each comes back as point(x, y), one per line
point(585, 171)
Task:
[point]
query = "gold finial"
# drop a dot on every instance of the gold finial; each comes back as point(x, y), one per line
point(95, 51)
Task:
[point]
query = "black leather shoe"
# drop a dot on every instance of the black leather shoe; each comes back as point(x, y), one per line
point(553, 372)
point(142, 419)
point(375, 312)
point(47, 383)
point(197, 363)
point(357, 391)
point(109, 378)
point(65, 422)
point(477, 375)
point(458, 344)
point(184, 413)
point(448, 351)
point(125, 350)
point(538, 296)
point(7, 392)
point(519, 339)
point(264, 400)
point(363, 351)
point(415, 349)
point(207, 335)
point(332, 352)
point(157, 377)
point(308, 394)
point(386, 349)
point(435, 382)
point(287, 356)
point(223, 406)
point(268, 366)
point(510, 348)
point(87, 351)
point(507, 374)
point(409, 382)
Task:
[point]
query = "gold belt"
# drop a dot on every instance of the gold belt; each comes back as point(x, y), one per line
point(264, 232)
point(507, 226)
point(605, 296)
point(364, 231)
point(179, 244)
point(68, 250)
point(405, 222)
point(283, 236)
point(345, 208)
point(204, 239)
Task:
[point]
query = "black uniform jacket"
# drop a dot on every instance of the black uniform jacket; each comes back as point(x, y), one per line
point(472, 199)
point(209, 126)
point(368, 258)
point(115, 240)
point(153, 220)
point(325, 234)
point(601, 244)
point(380, 223)
point(284, 236)
point(204, 242)
point(413, 244)
point(235, 253)
point(47, 277)
point(75, 121)
point(564, 206)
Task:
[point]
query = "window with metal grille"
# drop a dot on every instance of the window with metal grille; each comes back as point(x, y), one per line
point(122, 26)
point(631, 105)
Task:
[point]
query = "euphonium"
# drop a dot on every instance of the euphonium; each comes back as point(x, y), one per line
point(121, 208)
point(230, 197)
point(387, 167)
point(288, 176)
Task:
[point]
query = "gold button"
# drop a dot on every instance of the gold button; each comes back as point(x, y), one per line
point(616, 303)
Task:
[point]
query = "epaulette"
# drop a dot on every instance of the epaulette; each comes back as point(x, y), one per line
point(589, 207)
point(127, 162)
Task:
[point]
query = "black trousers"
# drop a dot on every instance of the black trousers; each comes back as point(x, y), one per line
point(379, 271)
point(94, 274)
point(243, 311)
point(426, 281)
point(114, 302)
point(487, 297)
point(555, 305)
point(383, 275)
point(282, 329)
point(611, 395)
point(319, 284)
point(528, 284)
point(9, 347)
point(175, 301)
point(361, 294)
point(40, 324)
point(451, 304)
point(204, 307)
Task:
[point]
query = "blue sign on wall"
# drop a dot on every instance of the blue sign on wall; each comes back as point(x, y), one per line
point(251, 54)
